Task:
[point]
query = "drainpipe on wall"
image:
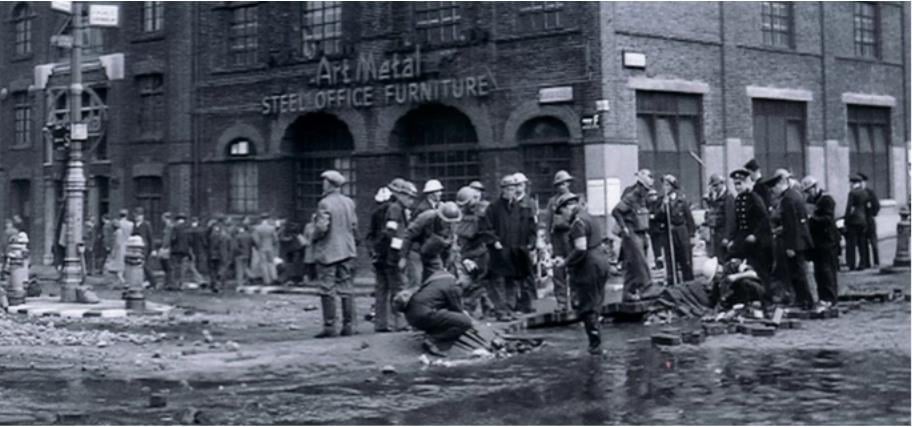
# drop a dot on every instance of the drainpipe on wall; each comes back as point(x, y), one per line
point(824, 94)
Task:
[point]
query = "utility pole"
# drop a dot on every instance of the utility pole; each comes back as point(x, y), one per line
point(75, 182)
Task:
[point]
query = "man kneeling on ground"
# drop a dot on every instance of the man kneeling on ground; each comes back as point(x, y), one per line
point(436, 307)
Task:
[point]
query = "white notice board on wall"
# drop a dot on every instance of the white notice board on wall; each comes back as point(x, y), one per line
point(602, 195)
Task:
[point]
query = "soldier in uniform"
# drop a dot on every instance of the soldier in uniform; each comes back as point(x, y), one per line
point(674, 211)
point(720, 216)
point(556, 230)
point(388, 254)
point(632, 217)
point(334, 253)
point(825, 236)
point(856, 223)
point(588, 265)
point(751, 238)
point(793, 238)
point(871, 211)
point(473, 235)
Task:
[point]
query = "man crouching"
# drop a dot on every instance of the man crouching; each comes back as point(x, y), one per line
point(436, 307)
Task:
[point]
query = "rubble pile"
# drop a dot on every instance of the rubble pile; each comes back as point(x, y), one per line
point(14, 332)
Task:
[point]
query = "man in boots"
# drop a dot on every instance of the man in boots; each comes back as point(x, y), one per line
point(856, 224)
point(751, 238)
point(556, 230)
point(473, 235)
point(793, 238)
point(720, 216)
point(632, 218)
point(825, 236)
point(334, 253)
point(388, 253)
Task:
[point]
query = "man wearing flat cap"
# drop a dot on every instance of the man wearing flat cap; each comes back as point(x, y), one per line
point(792, 239)
point(513, 224)
point(720, 216)
point(856, 224)
point(334, 249)
point(871, 211)
point(751, 238)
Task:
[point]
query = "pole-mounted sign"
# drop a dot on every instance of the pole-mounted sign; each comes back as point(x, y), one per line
point(103, 15)
point(62, 6)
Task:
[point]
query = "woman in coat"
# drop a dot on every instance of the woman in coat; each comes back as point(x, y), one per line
point(588, 264)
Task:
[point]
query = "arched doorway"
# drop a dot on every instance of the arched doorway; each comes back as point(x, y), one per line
point(440, 143)
point(317, 142)
point(544, 143)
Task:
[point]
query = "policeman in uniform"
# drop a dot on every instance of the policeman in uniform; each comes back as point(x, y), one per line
point(588, 265)
point(720, 216)
point(825, 236)
point(675, 211)
point(335, 226)
point(473, 235)
point(556, 229)
point(632, 218)
point(856, 223)
point(751, 239)
point(873, 208)
point(793, 238)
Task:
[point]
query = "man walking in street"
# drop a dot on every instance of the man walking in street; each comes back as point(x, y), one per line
point(720, 217)
point(219, 253)
point(266, 241)
point(856, 223)
point(792, 236)
point(198, 251)
point(164, 251)
point(388, 253)
point(180, 248)
point(632, 218)
point(871, 211)
point(825, 236)
point(751, 239)
point(242, 249)
point(556, 230)
point(334, 253)
point(143, 229)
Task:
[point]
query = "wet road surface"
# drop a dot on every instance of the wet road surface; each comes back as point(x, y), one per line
point(851, 370)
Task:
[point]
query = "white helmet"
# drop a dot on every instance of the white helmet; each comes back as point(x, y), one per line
point(432, 185)
point(520, 178)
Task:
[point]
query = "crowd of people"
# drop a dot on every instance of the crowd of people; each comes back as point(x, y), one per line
point(438, 264)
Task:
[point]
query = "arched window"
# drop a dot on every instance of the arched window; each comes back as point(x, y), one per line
point(243, 178)
point(544, 142)
point(22, 27)
point(441, 143)
point(318, 142)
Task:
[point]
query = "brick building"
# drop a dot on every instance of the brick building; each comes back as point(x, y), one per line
point(236, 107)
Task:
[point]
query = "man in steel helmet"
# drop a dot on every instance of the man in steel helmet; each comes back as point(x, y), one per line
point(473, 235)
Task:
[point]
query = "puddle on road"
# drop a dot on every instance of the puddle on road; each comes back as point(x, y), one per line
point(634, 383)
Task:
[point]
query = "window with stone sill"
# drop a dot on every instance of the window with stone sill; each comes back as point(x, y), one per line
point(778, 24)
point(321, 28)
point(538, 16)
point(243, 36)
point(153, 16)
point(669, 135)
point(151, 105)
point(869, 146)
point(867, 30)
point(22, 116)
point(437, 22)
point(243, 181)
point(22, 18)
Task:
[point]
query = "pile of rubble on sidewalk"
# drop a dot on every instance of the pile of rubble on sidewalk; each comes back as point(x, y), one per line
point(23, 332)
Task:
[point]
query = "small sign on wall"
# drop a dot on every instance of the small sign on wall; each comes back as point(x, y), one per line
point(634, 59)
point(551, 95)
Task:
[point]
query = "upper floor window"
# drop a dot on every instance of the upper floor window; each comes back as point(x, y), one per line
point(23, 119)
point(437, 21)
point(242, 37)
point(243, 178)
point(321, 28)
point(152, 103)
point(867, 30)
point(22, 27)
point(153, 15)
point(540, 16)
point(778, 24)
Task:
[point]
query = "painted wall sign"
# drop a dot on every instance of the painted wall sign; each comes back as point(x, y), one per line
point(550, 95)
point(370, 82)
